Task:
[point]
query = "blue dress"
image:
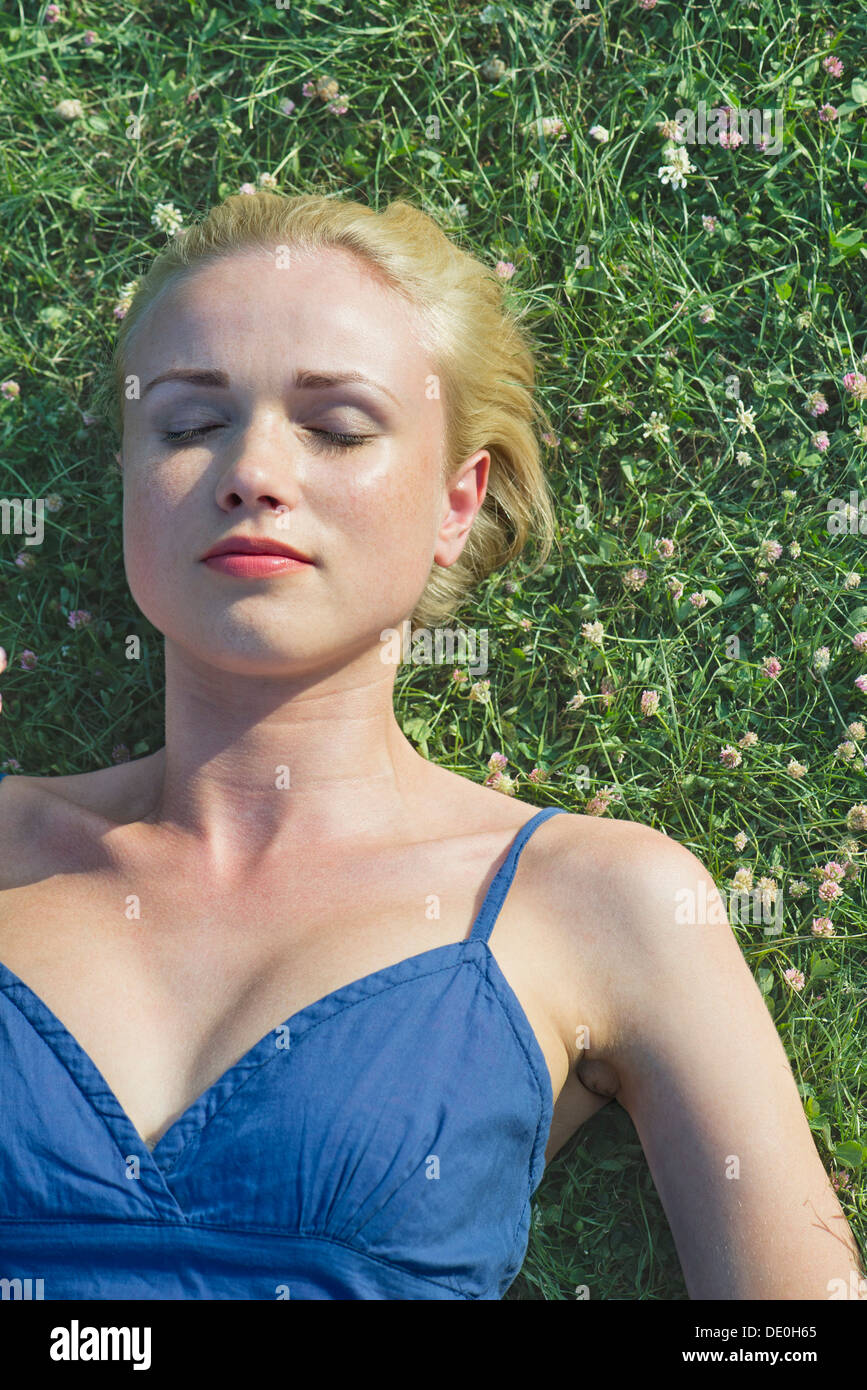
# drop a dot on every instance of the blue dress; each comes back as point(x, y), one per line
point(383, 1143)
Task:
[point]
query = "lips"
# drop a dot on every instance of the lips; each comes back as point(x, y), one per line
point(255, 566)
point(248, 557)
point(254, 545)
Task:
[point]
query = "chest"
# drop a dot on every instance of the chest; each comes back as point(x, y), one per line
point(165, 984)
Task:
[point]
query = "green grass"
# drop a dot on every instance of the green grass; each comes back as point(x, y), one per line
point(619, 338)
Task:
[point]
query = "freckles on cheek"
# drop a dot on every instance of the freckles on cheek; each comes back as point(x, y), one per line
point(387, 521)
point(396, 491)
point(416, 481)
point(151, 540)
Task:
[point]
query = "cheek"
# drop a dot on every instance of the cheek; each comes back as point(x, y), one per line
point(152, 539)
point(383, 526)
point(394, 499)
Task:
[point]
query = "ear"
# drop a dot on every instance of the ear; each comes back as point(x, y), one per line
point(463, 500)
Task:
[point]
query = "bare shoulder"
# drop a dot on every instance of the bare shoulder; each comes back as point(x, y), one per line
point(615, 890)
point(38, 812)
point(618, 847)
point(595, 863)
point(613, 869)
point(23, 809)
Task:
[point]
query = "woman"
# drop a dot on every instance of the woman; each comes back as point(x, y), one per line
point(287, 1011)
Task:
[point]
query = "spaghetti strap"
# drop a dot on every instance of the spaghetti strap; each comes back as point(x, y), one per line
point(496, 894)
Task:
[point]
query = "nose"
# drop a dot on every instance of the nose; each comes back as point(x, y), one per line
point(262, 473)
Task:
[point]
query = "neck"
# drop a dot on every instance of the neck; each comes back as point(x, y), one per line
point(254, 764)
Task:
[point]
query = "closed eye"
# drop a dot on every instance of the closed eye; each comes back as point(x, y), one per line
point(341, 441)
point(181, 436)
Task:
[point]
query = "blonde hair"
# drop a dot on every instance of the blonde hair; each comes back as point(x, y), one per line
point(481, 355)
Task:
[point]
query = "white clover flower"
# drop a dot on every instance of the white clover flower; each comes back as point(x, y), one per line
point(551, 126)
point(657, 427)
point(69, 110)
point(126, 297)
point(671, 130)
point(598, 132)
point(678, 156)
point(167, 218)
point(744, 419)
point(677, 167)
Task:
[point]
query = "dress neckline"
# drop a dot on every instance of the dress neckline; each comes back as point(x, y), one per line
point(169, 1147)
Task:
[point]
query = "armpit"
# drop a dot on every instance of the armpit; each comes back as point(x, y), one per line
point(598, 1077)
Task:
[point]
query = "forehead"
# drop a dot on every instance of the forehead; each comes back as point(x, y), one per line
point(326, 305)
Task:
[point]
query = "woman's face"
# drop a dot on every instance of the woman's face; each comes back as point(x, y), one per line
point(372, 516)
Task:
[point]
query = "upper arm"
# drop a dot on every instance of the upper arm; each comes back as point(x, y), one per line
point(705, 1079)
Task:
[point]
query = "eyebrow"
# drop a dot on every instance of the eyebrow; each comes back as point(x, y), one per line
point(303, 380)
